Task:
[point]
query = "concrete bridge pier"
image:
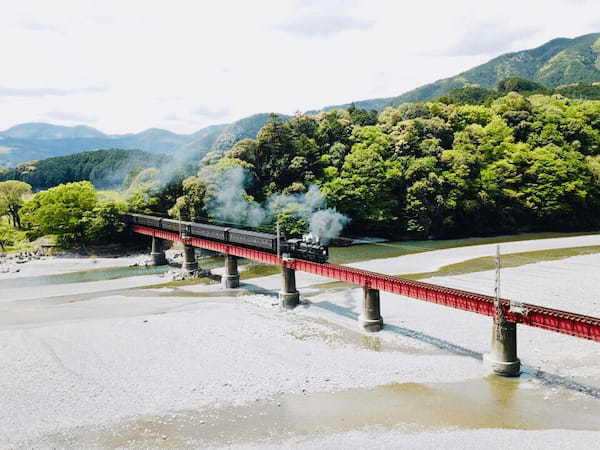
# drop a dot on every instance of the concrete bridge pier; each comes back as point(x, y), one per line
point(231, 277)
point(502, 358)
point(190, 264)
point(370, 318)
point(157, 254)
point(289, 297)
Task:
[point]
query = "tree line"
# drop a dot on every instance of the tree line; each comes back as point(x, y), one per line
point(104, 168)
point(432, 170)
point(447, 168)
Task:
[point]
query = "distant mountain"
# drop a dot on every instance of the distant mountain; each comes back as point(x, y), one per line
point(36, 141)
point(104, 168)
point(48, 131)
point(559, 62)
point(223, 137)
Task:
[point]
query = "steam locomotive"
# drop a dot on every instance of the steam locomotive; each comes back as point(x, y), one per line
point(293, 248)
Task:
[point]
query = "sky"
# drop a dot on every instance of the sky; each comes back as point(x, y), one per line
point(125, 66)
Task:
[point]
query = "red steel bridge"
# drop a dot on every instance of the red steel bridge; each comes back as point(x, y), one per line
point(585, 327)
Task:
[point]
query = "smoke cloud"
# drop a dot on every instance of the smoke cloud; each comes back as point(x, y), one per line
point(229, 202)
point(327, 224)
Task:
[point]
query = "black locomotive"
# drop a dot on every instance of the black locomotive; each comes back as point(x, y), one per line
point(292, 248)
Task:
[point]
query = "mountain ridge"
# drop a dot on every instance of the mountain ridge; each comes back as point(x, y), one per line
point(557, 62)
point(543, 58)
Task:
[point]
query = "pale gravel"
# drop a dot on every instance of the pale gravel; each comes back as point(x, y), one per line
point(54, 265)
point(71, 366)
point(489, 439)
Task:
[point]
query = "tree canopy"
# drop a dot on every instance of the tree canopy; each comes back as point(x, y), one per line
point(73, 213)
point(436, 169)
point(12, 196)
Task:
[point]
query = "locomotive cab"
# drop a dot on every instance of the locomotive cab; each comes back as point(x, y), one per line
point(301, 249)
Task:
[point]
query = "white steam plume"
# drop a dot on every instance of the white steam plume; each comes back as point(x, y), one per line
point(228, 202)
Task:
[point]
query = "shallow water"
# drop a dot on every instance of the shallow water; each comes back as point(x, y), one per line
point(363, 252)
point(527, 403)
point(490, 402)
point(109, 273)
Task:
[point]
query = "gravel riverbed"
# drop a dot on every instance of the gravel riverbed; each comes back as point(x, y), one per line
point(106, 364)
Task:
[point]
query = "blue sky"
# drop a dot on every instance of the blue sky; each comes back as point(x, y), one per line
point(124, 66)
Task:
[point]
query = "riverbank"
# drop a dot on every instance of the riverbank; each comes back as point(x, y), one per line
point(105, 364)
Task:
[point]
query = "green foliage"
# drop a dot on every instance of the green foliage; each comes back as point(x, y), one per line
point(104, 168)
point(362, 117)
point(520, 161)
point(584, 91)
point(364, 188)
point(290, 222)
point(190, 206)
point(517, 84)
point(12, 195)
point(473, 95)
point(72, 212)
point(7, 235)
point(61, 211)
point(559, 62)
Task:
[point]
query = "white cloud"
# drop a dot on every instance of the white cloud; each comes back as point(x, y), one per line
point(43, 92)
point(315, 25)
point(208, 62)
point(72, 117)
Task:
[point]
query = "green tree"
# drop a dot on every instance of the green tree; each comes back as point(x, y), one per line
point(7, 235)
point(12, 196)
point(191, 205)
point(103, 224)
point(63, 210)
point(290, 221)
point(364, 189)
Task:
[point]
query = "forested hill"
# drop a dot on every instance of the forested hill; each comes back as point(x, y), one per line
point(104, 168)
point(432, 170)
point(36, 141)
point(558, 62)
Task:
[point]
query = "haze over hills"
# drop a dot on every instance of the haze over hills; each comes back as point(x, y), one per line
point(559, 62)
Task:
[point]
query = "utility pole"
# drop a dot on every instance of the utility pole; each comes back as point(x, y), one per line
point(278, 241)
point(499, 313)
point(497, 287)
point(502, 358)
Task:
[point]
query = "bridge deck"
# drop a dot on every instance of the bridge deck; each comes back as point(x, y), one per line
point(578, 325)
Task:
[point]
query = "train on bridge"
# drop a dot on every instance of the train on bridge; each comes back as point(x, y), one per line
point(311, 257)
point(293, 248)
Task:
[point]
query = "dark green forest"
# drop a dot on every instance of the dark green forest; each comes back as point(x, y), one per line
point(439, 169)
point(478, 95)
point(104, 168)
point(521, 157)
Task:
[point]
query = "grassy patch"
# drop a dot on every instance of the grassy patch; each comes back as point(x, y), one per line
point(178, 283)
point(259, 270)
point(485, 263)
point(21, 243)
point(364, 252)
point(509, 260)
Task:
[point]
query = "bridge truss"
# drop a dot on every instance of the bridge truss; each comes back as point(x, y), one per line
point(585, 327)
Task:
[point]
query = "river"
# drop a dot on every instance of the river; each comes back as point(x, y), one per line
point(117, 356)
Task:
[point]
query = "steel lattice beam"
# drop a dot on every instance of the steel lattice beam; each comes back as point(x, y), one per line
point(585, 327)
